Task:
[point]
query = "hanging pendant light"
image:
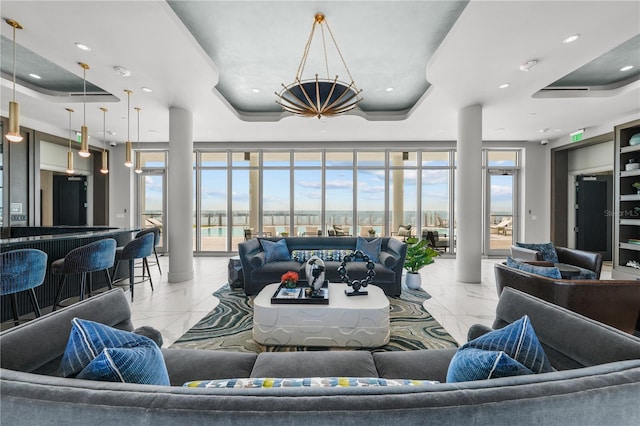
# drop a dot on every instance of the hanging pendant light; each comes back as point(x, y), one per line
point(128, 147)
point(70, 153)
point(138, 168)
point(105, 159)
point(318, 97)
point(84, 132)
point(13, 135)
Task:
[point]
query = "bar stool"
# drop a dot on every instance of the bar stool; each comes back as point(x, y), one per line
point(22, 270)
point(156, 241)
point(96, 256)
point(138, 248)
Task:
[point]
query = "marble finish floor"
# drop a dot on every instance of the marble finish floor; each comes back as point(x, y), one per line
point(173, 308)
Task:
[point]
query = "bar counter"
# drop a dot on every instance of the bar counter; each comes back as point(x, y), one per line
point(57, 242)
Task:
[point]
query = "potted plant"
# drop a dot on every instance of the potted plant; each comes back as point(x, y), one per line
point(372, 232)
point(289, 279)
point(419, 254)
point(636, 185)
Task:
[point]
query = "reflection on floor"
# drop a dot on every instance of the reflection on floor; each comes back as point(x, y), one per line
point(173, 308)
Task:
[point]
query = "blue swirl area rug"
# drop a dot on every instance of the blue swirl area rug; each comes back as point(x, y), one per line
point(229, 326)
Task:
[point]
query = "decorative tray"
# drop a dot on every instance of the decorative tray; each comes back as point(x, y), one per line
point(300, 295)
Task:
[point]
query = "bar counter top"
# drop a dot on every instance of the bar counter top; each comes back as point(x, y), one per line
point(62, 233)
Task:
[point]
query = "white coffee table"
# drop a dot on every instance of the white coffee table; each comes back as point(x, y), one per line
point(356, 321)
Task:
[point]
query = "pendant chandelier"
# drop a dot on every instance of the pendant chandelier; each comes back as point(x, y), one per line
point(319, 97)
point(128, 147)
point(138, 168)
point(105, 159)
point(84, 132)
point(70, 152)
point(13, 135)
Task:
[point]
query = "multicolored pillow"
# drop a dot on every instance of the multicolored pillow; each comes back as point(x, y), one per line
point(547, 250)
point(512, 350)
point(545, 271)
point(324, 254)
point(324, 382)
point(98, 352)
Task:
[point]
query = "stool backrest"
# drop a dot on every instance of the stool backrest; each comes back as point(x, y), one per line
point(139, 247)
point(21, 270)
point(95, 256)
point(155, 230)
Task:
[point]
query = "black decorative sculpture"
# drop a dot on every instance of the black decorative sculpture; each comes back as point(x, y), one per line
point(356, 285)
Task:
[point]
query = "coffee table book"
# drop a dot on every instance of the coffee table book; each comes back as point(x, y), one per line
point(300, 295)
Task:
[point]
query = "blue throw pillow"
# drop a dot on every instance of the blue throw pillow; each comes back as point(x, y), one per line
point(549, 272)
point(370, 248)
point(275, 251)
point(91, 342)
point(481, 358)
point(547, 249)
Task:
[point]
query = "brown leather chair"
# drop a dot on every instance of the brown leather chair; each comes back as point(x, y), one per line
point(583, 259)
point(613, 302)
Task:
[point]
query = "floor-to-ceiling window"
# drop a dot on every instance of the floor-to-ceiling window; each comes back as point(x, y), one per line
point(152, 193)
point(307, 192)
point(338, 190)
point(212, 202)
point(403, 193)
point(372, 178)
point(245, 195)
point(436, 196)
point(276, 193)
point(501, 177)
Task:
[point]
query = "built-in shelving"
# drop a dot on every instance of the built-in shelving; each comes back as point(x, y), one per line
point(627, 214)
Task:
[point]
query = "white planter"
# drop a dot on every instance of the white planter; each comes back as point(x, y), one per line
point(413, 280)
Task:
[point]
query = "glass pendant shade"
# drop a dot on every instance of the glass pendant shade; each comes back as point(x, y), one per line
point(70, 163)
point(128, 154)
point(84, 138)
point(13, 135)
point(138, 168)
point(105, 163)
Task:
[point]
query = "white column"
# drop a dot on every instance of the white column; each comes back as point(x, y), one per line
point(180, 195)
point(469, 195)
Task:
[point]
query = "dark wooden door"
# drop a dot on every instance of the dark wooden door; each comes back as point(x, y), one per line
point(69, 200)
point(594, 195)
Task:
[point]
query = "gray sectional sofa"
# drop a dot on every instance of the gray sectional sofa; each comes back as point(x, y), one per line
point(597, 382)
point(258, 273)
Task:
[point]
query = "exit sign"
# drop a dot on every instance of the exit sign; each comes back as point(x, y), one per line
point(577, 135)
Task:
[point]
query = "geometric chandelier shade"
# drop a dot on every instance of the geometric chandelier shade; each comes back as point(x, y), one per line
point(13, 135)
point(318, 97)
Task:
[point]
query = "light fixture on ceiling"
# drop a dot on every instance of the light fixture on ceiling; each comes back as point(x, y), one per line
point(105, 156)
point(626, 68)
point(503, 86)
point(36, 76)
point(122, 71)
point(571, 38)
point(389, 89)
point(138, 168)
point(70, 153)
point(320, 96)
point(83, 47)
point(128, 148)
point(146, 89)
point(13, 135)
point(84, 132)
point(528, 66)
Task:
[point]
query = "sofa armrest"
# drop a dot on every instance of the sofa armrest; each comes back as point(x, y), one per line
point(388, 260)
point(584, 259)
point(477, 330)
point(522, 253)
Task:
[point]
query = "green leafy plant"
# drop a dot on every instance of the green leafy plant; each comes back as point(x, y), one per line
point(636, 185)
point(419, 254)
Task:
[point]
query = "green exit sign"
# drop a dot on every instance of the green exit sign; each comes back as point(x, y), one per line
point(577, 135)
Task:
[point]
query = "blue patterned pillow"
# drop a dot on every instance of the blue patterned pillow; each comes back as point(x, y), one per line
point(97, 351)
point(484, 357)
point(277, 251)
point(547, 249)
point(325, 382)
point(549, 272)
point(370, 248)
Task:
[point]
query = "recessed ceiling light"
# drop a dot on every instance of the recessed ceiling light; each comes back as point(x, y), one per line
point(527, 66)
point(571, 39)
point(626, 68)
point(503, 86)
point(36, 76)
point(146, 89)
point(543, 130)
point(83, 47)
point(255, 90)
point(389, 89)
